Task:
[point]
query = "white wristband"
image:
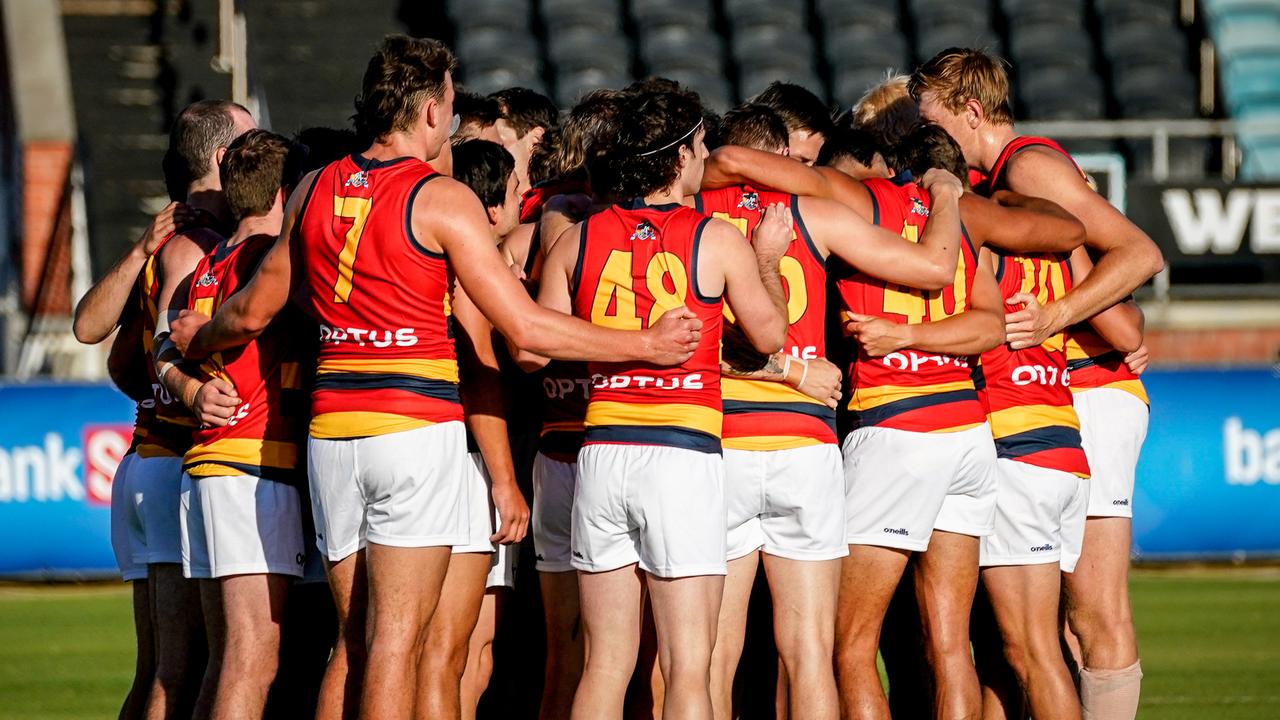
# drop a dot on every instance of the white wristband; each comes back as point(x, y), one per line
point(804, 375)
point(786, 366)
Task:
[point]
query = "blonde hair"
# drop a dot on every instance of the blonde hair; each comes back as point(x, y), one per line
point(957, 75)
point(887, 111)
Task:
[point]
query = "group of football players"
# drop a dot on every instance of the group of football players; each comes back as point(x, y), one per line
point(890, 356)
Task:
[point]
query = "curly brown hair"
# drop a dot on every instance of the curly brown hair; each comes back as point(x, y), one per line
point(403, 73)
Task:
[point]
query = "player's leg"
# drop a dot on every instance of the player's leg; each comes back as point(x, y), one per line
point(804, 610)
point(444, 654)
point(906, 669)
point(344, 675)
point(553, 487)
point(563, 617)
point(611, 618)
point(479, 670)
point(685, 612)
point(646, 691)
point(144, 666)
point(731, 631)
point(946, 577)
point(1002, 698)
point(252, 606)
point(1025, 601)
point(1113, 426)
point(868, 578)
point(216, 634)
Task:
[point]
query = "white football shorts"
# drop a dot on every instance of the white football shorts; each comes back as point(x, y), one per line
point(483, 523)
point(1113, 426)
point(553, 487)
point(122, 522)
point(1039, 517)
point(240, 525)
point(155, 484)
point(661, 507)
point(790, 503)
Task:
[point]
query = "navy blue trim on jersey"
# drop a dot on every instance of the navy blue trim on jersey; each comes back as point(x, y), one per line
point(663, 435)
point(693, 262)
point(1054, 437)
point(697, 203)
point(877, 415)
point(965, 234)
point(744, 407)
point(576, 282)
point(903, 178)
point(804, 231)
point(999, 266)
point(426, 387)
point(640, 204)
point(875, 207)
point(408, 220)
point(372, 164)
point(978, 377)
point(1111, 359)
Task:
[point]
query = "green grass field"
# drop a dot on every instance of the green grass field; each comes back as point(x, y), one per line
point(1210, 646)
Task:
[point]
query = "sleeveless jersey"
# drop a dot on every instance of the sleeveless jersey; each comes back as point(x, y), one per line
point(761, 414)
point(1026, 392)
point(386, 360)
point(1092, 361)
point(164, 425)
point(636, 262)
point(911, 389)
point(264, 435)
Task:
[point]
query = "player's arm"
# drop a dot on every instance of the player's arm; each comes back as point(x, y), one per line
point(1122, 325)
point(818, 378)
point(485, 402)
point(978, 329)
point(126, 362)
point(554, 291)
point(748, 280)
point(98, 312)
point(451, 214)
point(515, 248)
point(247, 313)
point(1020, 224)
point(733, 165)
point(1127, 256)
point(928, 265)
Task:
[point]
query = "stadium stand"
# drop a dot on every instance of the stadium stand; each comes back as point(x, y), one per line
point(1245, 35)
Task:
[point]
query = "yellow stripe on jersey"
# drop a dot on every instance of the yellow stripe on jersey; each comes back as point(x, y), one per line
point(291, 376)
point(873, 397)
point(1133, 387)
point(357, 424)
point(219, 457)
point(776, 442)
point(1022, 418)
point(761, 391)
point(152, 450)
point(446, 370)
point(695, 417)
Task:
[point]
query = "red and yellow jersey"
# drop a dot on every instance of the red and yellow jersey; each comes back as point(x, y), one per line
point(164, 425)
point(635, 263)
point(760, 414)
point(1093, 363)
point(1026, 392)
point(386, 361)
point(266, 432)
point(911, 389)
point(566, 389)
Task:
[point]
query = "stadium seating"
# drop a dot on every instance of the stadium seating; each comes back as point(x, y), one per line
point(1245, 35)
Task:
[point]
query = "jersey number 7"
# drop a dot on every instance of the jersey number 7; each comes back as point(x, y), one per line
point(355, 209)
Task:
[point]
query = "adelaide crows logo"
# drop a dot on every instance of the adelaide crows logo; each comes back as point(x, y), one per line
point(206, 280)
point(358, 179)
point(750, 201)
point(645, 231)
point(917, 207)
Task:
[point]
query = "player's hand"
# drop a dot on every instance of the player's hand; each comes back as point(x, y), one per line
point(184, 328)
point(1032, 325)
point(172, 218)
point(512, 510)
point(773, 234)
point(940, 182)
point(214, 403)
point(877, 336)
point(674, 338)
point(822, 382)
point(1138, 360)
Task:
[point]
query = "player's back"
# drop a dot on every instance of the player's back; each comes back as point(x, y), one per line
point(910, 389)
point(263, 437)
point(760, 414)
point(386, 360)
point(637, 262)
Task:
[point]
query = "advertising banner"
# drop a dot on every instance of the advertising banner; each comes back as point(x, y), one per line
point(1208, 482)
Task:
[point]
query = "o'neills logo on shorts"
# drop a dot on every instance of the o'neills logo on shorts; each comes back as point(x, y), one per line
point(1042, 548)
point(403, 337)
point(692, 381)
point(897, 531)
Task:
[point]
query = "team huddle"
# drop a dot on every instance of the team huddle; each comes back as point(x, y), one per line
point(890, 357)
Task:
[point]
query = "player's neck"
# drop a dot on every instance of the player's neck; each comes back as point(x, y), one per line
point(992, 141)
point(398, 145)
point(672, 194)
point(207, 196)
point(268, 224)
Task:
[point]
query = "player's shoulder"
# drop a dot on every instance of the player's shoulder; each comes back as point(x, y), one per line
point(1040, 160)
